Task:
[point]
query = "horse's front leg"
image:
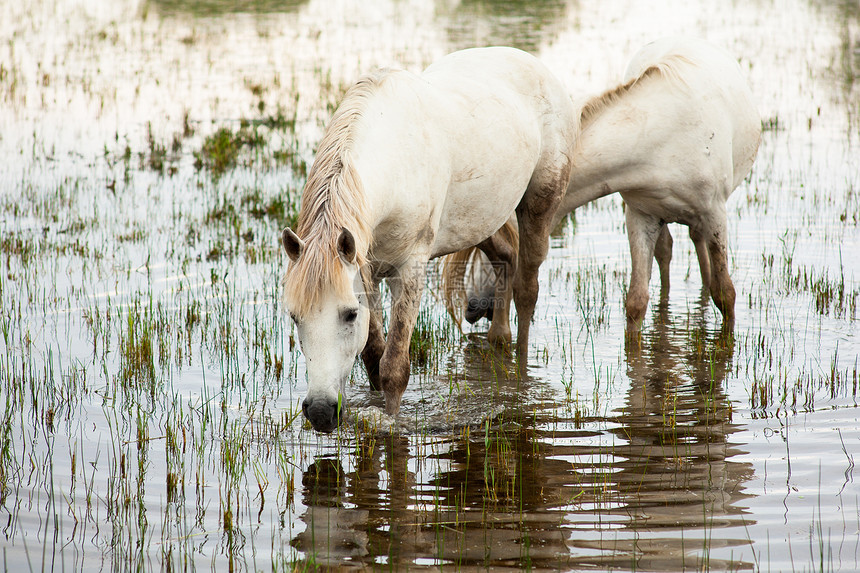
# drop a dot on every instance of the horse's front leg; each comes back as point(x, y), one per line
point(703, 256)
point(722, 289)
point(406, 289)
point(534, 214)
point(375, 346)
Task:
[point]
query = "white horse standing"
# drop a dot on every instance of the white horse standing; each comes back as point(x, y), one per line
point(411, 168)
point(675, 138)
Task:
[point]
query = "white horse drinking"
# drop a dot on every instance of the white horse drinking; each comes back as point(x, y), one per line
point(413, 167)
point(675, 138)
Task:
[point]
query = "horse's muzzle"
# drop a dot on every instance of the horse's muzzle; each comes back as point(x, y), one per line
point(324, 415)
point(478, 308)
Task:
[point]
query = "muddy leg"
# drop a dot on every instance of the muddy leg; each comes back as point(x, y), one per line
point(642, 233)
point(663, 254)
point(375, 346)
point(704, 259)
point(501, 255)
point(534, 214)
point(722, 289)
point(406, 291)
point(526, 283)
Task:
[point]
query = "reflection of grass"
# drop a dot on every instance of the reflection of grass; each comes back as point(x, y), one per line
point(771, 124)
point(269, 139)
point(221, 8)
point(156, 156)
point(847, 57)
point(222, 150)
point(282, 208)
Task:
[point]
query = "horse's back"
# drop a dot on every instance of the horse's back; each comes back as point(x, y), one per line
point(711, 84)
point(508, 120)
point(478, 71)
point(477, 84)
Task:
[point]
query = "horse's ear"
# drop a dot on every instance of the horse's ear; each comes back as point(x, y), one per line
point(346, 246)
point(292, 244)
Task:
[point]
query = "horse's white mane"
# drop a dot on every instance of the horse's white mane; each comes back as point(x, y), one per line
point(333, 200)
point(666, 68)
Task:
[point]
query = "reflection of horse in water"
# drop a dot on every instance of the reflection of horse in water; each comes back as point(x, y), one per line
point(458, 500)
point(674, 470)
point(358, 516)
point(526, 490)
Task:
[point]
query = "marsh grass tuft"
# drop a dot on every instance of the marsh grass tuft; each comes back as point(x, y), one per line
point(220, 150)
point(137, 362)
point(155, 157)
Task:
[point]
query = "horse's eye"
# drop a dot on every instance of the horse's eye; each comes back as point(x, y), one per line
point(350, 315)
point(293, 318)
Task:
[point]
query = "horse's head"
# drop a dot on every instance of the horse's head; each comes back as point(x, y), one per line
point(324, 293)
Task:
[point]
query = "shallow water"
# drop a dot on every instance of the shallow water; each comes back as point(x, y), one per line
point(151, 387)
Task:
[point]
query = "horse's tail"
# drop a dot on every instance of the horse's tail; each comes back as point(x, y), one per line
point(460, 266)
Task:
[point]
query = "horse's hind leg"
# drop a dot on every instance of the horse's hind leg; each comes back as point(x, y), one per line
point(501, 255)
point(663, 255)
point(722, 289)
point(642, 233)
point(704, 259)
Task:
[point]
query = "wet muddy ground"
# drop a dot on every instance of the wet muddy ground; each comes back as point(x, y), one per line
point(150, 388)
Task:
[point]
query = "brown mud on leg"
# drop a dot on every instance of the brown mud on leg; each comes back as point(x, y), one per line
point(394, 365)
point(663, 255)
point(534, 215)
point(642, 233)
point(722, 288)
point(704, 258)
point(375, 345)
point(372, 353)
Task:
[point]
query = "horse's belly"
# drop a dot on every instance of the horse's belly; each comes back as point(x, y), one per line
point(453, 238)
point(478, 208)
point(676, 205)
